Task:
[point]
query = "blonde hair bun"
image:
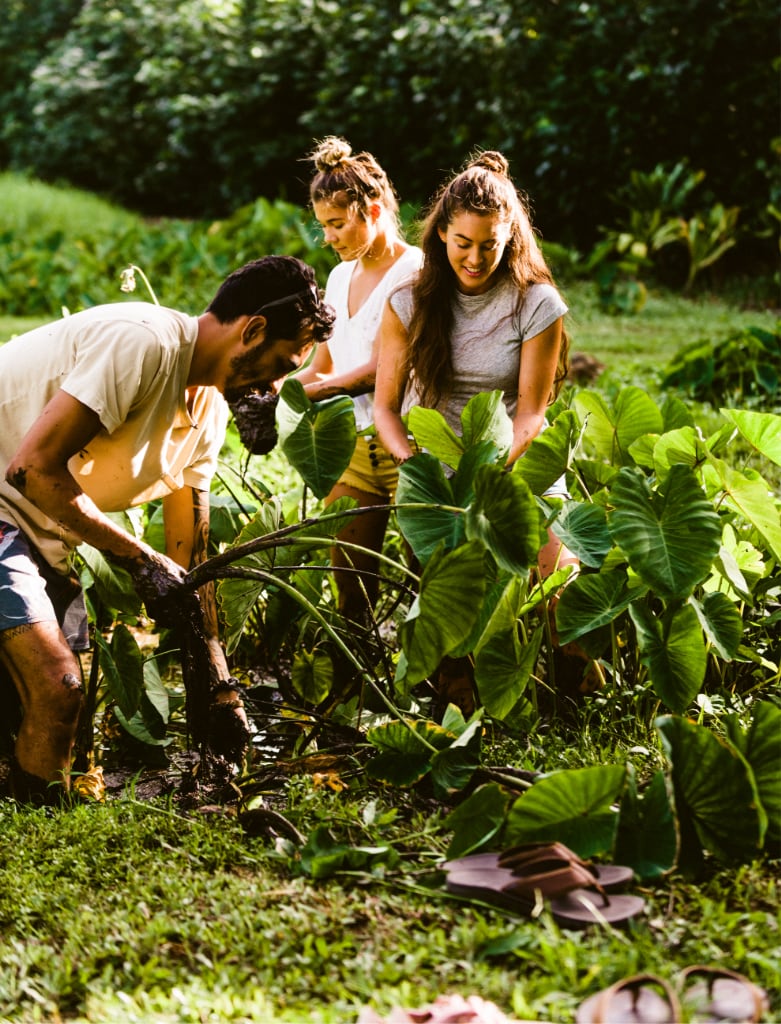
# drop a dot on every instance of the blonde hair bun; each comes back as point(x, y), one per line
point(491, 160)
point(330, 153)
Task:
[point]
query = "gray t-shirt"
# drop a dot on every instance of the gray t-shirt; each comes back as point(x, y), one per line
point(486, 341)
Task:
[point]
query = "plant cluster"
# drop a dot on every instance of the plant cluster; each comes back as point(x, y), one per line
point(742, 368)
point(660, 234)
point(676, 607)
point(577, 95)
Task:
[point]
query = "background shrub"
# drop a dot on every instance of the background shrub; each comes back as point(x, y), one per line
point(197, 108)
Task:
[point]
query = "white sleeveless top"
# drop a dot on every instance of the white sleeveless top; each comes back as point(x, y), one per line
point(353, 338)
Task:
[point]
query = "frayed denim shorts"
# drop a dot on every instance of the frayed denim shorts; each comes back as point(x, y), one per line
point(31, 591)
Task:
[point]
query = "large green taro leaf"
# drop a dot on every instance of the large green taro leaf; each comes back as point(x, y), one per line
point(318, 438)
point(647, 837)
point(591, 601)
point(114, 585)
point(750, 496)
point(504, 516)
point(550, 453)
point(760, 745)
point(715, 791)
point(422, 482)
point(476, 820)
point(445, 610)
point(673, 650)
point(485, 418)
point(671, 536)
point(762, 430)
point(612, 431)
point(721, 621)
point(408, 750)
point(503, 666)
point(433, 434)
point(583, 529)
point(573, 806)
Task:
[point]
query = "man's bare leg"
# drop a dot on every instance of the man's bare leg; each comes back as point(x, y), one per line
point(47, 677)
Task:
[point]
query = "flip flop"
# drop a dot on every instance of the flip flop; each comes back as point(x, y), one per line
point(610, 877)
point(635, 1000)
point(721, 995)
point(575, 901)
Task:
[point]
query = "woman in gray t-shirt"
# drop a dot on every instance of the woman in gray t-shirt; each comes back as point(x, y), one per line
point(482, 314)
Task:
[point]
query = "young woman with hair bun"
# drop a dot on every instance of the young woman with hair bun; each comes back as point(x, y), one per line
point(483, 314)
point(358, 210)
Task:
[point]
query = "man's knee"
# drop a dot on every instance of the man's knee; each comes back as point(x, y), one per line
point(66, 701)
point(72, 688)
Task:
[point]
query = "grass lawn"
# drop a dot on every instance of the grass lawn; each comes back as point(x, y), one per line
point(133, 912)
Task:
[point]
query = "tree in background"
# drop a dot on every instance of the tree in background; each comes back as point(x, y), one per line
point(197, 107)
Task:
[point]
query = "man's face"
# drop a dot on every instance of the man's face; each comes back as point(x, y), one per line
point(264, 362)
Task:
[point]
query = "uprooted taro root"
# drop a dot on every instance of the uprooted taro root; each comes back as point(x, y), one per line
point(216, 730)
point(255, 416)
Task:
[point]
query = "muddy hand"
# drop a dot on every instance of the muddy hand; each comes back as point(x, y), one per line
point(158, 582)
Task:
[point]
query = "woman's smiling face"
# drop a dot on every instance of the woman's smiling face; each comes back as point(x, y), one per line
point(475, 245)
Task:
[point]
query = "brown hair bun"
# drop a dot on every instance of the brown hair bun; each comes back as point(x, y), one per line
point(492, 161)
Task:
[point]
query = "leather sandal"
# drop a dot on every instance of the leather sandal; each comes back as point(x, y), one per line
point(575, 900)
point(640, 999)
point(611, 877)
point(720, 995)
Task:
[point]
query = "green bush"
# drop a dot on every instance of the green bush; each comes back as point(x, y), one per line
point(741, 369)
point(197, 108)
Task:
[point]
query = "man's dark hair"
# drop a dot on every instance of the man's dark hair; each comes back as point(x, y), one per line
point(283, 289)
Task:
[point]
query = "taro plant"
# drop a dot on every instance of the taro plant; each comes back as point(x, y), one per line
point(741, 369)
point(658, 223)
point(669, 601)
point(718, 792)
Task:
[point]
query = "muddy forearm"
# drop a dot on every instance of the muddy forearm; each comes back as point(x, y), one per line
point(359, 382)
point(59, 497)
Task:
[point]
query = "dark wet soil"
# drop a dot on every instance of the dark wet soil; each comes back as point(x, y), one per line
point(255, 417)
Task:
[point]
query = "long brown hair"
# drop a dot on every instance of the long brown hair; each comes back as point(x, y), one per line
point(483, 187)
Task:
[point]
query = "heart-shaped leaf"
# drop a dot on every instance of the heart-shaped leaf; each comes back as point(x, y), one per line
point(714, 789)
point(655, 529)
point(504, 516)
point(673, 650)
point(451, 591)
point(422, 482)
point(476, 820)
point(647, 838)
point(318, 438)
point(574, 806)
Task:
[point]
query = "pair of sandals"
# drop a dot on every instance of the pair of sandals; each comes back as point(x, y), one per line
point(526, 878)
point(706, 995)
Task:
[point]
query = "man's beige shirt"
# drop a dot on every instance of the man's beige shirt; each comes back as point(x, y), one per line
point(129, 363)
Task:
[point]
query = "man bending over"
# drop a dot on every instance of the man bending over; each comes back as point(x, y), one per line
point(103, 410)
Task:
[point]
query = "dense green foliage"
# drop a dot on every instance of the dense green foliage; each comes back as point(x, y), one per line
point(199, 107)
point(60, 248)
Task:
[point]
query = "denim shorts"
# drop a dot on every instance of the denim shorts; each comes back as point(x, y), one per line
point(31, 591)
